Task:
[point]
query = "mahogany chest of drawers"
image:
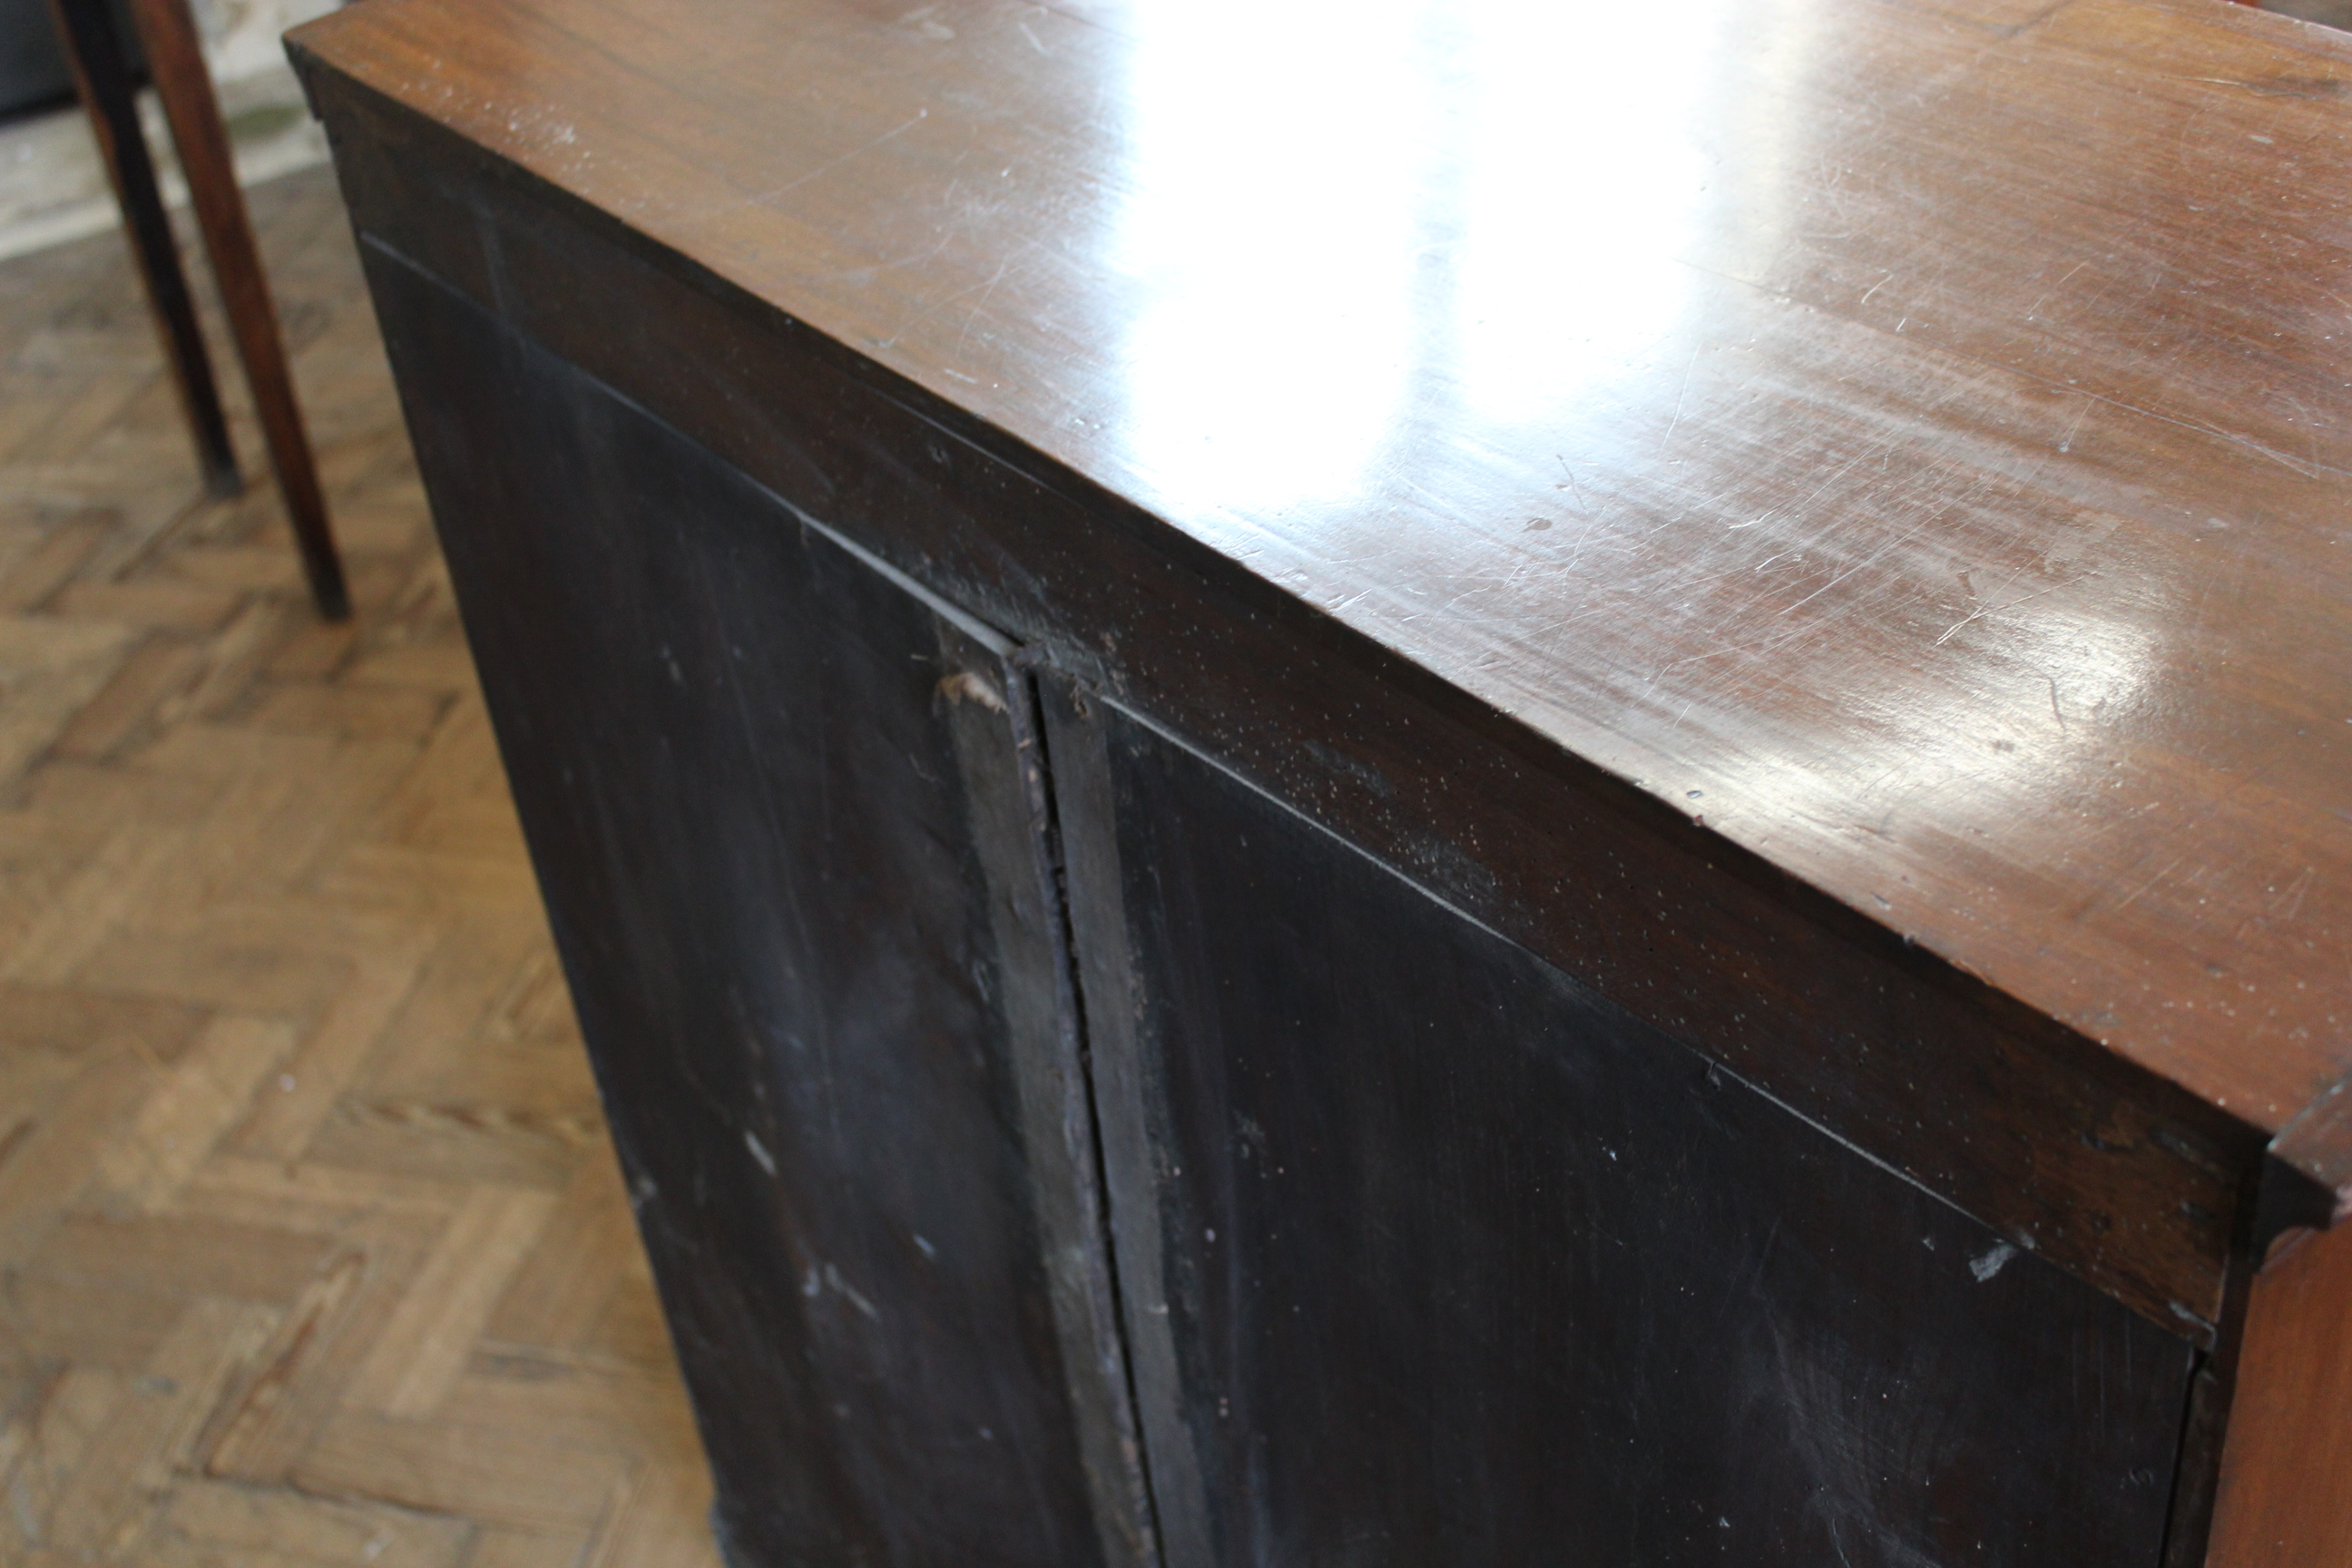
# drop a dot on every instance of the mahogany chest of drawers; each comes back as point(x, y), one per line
point(1427, 784)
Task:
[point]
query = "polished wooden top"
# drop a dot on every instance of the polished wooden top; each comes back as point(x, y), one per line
point(1914, 437)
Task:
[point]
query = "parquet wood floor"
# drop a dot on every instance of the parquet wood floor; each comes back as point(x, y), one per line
point(313, 1249)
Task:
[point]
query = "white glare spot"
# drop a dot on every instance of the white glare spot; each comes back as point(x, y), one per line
point(1992, 1262)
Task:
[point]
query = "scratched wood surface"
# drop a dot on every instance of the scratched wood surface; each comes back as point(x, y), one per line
point(1918, 448)
point(312, 1249)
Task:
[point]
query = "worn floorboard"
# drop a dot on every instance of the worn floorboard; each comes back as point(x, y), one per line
point(312, 1250)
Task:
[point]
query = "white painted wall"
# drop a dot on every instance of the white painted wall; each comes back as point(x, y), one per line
point(241, 37)
point(52, 187)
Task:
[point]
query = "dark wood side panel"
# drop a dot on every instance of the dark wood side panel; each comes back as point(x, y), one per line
point(2285, 1498)
point(1436, 1257)
point(773, 800)
point(2122, 1178)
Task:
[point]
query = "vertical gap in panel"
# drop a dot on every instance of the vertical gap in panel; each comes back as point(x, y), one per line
point(2205, 1415)
point(1114, 1459)
point(1122, 1076)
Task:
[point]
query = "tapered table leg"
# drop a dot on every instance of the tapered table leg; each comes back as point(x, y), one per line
point(186, 86)
point(102, 73)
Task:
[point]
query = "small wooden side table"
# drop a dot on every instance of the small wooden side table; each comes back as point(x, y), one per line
point(103, 76)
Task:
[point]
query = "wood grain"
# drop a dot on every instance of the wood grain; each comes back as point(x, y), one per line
point(1951, 520)
point(2123, 1178)
point(312, 1247)
point(2285, 1499)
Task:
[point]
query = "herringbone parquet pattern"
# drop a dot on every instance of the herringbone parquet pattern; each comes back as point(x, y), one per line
point(312, 1250)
